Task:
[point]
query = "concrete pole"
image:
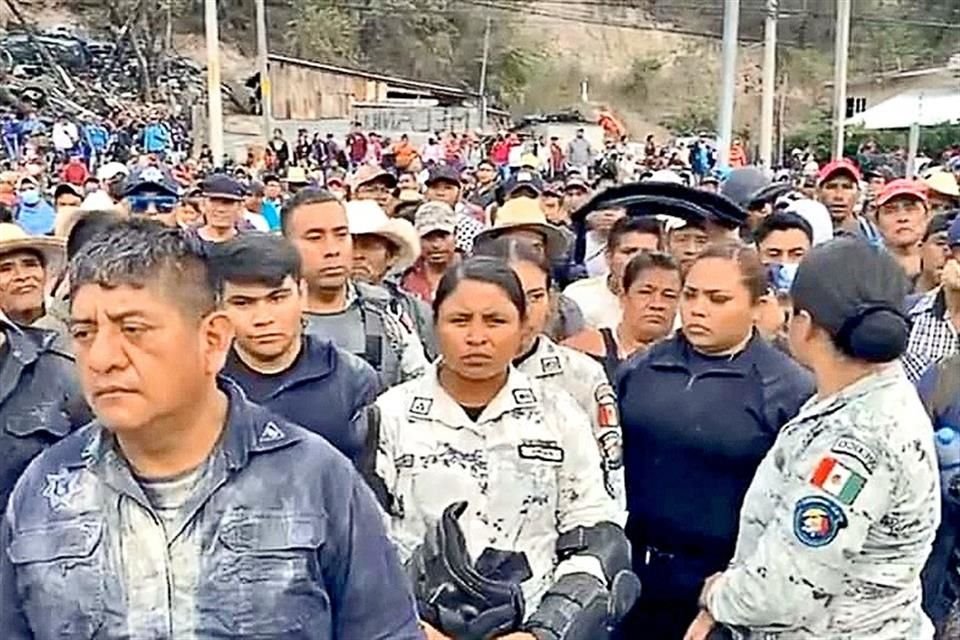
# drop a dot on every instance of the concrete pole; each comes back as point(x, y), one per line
point(913, 141)
point(214, 98)
point(769, 78)
point(728, 91)
point(483, 76)
point(266, 101)
point(841, 51)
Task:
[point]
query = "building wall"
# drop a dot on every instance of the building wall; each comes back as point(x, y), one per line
point(876, 91)
point(303, 93)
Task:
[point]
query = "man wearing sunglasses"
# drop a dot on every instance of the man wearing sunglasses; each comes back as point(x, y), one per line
point(152, 192)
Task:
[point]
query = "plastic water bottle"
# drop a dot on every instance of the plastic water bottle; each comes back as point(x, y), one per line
point(948, 453)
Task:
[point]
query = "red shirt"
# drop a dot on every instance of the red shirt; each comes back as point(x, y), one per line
point(75, 173)
point(500, 153)
point(415, 281)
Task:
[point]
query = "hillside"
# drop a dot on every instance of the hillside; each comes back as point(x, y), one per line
point(654, 62)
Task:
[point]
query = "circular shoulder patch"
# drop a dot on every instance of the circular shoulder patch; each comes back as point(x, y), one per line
point(817, 521)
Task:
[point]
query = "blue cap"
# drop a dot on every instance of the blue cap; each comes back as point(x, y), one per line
point(524, 179)
point(151, 179)
point(223, 187)
point(953, 233)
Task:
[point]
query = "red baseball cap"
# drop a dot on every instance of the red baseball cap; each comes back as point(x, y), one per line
point(902, 187)
point(837, 166)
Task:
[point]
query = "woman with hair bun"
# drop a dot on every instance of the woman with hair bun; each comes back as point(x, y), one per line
point(841, 514)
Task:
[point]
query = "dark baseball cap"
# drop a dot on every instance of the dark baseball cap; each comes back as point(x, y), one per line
point(939, 223)
point(523, 180)
point(953, 234)
point(151, 178)
point(443, 173)
point(223, 187)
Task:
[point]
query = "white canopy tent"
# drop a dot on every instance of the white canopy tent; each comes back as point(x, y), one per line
point(927, 107)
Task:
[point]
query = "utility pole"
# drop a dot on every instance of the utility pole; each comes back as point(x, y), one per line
point(769, 78)
point(841, 50)
point(266, 102)
point(214, 98)
point(728, 91)
point(483, 76)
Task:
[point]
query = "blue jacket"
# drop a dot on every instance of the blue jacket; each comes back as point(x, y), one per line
point(326, 390)
point(156, 137)
point(939, 388)
point(37, 219)
point(40, 400)
point(694, 431)
point(279, 539)
point(97, 136)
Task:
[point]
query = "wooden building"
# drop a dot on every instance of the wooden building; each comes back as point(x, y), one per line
point(308, 90)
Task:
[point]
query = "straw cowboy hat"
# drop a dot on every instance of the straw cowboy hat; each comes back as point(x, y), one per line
point(525, 213)
point(297, 175)
point(366, 217)
point(52, 250)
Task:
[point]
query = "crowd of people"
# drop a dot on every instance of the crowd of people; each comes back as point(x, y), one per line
point(476, 389)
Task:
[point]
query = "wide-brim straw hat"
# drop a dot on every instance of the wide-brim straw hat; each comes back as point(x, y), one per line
point(366, 217)
point(53, 250)
point(525, 213)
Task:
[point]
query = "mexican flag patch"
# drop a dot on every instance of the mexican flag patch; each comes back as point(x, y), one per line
point(838, 480)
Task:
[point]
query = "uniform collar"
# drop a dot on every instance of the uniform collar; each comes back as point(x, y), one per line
point(316, 360)
point(431, 402)
point(886, 376)
point(249, 430)
point(547, 358)
point(677, 352)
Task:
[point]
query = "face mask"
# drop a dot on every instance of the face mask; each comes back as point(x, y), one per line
point(783, 276)
point(30, 197)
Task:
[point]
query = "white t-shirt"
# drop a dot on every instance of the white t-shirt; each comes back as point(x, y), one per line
point(600, 307)
point(257, 221)
point(595, 258)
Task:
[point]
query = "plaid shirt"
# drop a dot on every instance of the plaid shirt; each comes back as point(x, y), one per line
point(932, 335)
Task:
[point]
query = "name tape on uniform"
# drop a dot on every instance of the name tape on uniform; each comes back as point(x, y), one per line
point(856, 450)
point(541, 450)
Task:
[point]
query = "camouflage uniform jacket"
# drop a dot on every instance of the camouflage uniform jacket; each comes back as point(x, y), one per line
point(838, 521)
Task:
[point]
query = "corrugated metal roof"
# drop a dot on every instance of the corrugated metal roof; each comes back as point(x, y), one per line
point(378, 77)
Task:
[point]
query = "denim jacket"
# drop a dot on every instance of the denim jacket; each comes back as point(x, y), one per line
point(280, 538)
point(40, 400)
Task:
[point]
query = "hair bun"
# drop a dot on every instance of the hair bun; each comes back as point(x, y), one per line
point(879, 335)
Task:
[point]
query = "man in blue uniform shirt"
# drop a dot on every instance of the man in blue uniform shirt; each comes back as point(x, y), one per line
point(40, 400)
point(184, 510)
point(301, 377)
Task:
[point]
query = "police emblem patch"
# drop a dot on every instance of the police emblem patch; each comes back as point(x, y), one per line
point(421, 406)
point(550, 365)
point(271, 432)
point(60, 489)
point(524, 396)
point(817, 521)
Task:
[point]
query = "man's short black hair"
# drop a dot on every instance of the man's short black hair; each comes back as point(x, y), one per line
point(630, 224)
point(270, 177)
point(303, 197)
point(782, 221)
point(255, 258)
point(87, 226)
point(138, 252)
